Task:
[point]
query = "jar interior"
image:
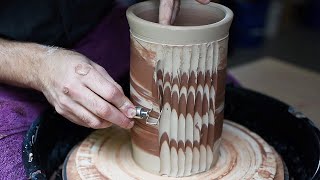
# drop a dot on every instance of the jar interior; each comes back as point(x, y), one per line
point(190, 14)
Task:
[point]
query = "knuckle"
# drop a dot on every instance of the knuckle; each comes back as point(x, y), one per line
point(84, 119)
point(83, 69)
point(63, 102)
point(120, 88)
point(70, 92)
point(92, 101)
point(113, 93)
point(67, 85)
point(59, 110)
point(68, 88)
point(104, 111)
point(99, 68)
point(74, 94)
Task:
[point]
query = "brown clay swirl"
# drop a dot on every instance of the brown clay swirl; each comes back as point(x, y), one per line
point(185, 83)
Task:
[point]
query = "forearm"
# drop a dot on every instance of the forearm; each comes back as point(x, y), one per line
point(20, 63)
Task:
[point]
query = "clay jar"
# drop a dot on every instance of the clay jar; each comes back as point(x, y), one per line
point(179, 73)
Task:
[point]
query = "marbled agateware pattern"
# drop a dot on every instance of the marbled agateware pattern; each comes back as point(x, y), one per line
point(184, 85)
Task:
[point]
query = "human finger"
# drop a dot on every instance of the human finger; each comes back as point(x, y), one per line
point(165, 11)
point(203, 1)
point(93, 80)
point(106, 75)
point(101, 108)
point(176, 8)
point(79, 115)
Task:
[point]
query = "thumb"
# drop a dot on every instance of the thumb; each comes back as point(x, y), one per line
point(165, 11)
point(203, 1)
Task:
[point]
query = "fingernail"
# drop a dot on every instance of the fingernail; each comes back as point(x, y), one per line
point(130, 125)
point(131, 112)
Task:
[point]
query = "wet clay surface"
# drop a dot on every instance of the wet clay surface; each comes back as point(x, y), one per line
point(186, 84)
point(107, 154)
point(187, 16)
point(143, 84)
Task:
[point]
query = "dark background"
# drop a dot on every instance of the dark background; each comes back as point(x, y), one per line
point(285, 29)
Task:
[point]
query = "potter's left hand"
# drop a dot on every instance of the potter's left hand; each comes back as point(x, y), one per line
point(169, 9)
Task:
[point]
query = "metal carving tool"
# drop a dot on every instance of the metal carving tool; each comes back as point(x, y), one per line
point(143, 113)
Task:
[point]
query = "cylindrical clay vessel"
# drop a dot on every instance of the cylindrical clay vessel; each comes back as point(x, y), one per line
point(179, 72)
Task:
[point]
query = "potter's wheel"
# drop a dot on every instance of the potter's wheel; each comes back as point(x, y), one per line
point(106, 154)
point(51, 137)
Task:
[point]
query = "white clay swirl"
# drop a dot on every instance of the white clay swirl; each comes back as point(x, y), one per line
point(186, 83)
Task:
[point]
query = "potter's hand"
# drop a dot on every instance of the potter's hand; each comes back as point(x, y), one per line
point(84, 92)
point(169, 9)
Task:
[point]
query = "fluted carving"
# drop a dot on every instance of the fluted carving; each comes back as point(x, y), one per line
point(185, 84)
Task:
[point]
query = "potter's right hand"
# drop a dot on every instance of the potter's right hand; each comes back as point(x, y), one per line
point(169, 9)
point(83, 92)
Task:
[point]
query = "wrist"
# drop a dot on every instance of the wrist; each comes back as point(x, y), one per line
point(41, 74)
point(35, 60)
